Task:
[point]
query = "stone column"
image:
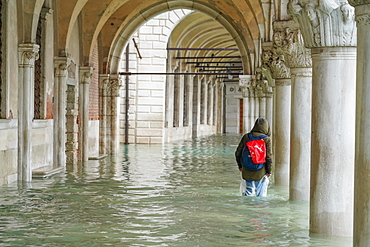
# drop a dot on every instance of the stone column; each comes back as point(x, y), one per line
point(60, 89)
point(244, 81)
point(330, 34)
point(298, 59)
point(252, 118)
point(85, 78)
point(114, 92)
point(361, 234)
point(103, 87)
point(28, 53)
point(256, 101)
point(261, 100)
point(281, 73)
point(267, 92)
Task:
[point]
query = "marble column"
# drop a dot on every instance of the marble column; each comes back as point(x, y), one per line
point(267, 91)
point(256, 102)
point(244, 81)
point(28, 53)
point(114, 92)
point(261, 100)
point(85, 79)
point(331, 34)
point(60, 91)
point(282, 130)
point(275, 63)
point(103, 87)
point(361, 233)
point(298, 59)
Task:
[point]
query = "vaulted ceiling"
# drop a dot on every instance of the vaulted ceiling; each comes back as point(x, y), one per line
point(112, 22)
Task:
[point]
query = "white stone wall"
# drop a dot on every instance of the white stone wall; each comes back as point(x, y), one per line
point(8, 151)
point(233, 96)
point(42, 143)
point(147, 92)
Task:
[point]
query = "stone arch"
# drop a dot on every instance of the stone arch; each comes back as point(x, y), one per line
point(245, 45)
point(28, 15)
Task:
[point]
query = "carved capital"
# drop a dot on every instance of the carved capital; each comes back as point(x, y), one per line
point(245, 82)
point(263, 82)
point(265, 67)
point(85, 75)
point(277, 66)
point(28, 53)
point(114, 86)
point(61, 65)
point(288, 41)
point(325, 23)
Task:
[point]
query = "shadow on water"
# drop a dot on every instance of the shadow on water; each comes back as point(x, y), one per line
point(179, 194)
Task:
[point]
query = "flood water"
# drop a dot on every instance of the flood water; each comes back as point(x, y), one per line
point(179, 194)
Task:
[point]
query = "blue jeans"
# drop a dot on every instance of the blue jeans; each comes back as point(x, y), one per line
point(256, 188)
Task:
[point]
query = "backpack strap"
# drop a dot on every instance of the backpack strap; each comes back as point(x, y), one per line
point(252, 138)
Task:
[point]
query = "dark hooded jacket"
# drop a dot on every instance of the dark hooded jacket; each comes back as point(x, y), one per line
point(261, 127)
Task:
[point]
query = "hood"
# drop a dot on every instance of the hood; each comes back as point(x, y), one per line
point(261, 126)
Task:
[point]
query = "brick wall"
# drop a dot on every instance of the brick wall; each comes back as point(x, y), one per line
point(94, 86)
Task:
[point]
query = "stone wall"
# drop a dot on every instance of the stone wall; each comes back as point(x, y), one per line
point(8, 151)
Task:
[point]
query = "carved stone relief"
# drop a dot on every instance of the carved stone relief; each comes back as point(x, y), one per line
point(325, 23)
point(288, 41)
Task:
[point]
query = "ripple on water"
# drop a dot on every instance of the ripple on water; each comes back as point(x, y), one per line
point(179, 194)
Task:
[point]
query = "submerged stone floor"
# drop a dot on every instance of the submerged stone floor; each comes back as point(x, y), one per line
point(179, 194)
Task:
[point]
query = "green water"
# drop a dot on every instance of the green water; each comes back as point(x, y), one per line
point(179, 194)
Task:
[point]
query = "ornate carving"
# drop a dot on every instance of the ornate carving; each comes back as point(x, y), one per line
point(114, 87)
point(289, 43)
point(363, 20)
point(246, 84)
point(356, 3)
point(61, 66)
point(265, 68)
point(278, 68)
point(262, 82)
point(86, 73)
point(326, 23)
point(28, 54)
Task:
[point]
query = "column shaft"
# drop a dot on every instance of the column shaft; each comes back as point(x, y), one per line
point(85, 78)
point(246, 124)
point(251, 111)
point(332, 158)
point(361, 234)
point(282, 131)
point(299, 187)
point(27, 55)
point(61, 65)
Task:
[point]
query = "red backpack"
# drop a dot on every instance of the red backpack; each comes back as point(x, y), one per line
point(254, 154)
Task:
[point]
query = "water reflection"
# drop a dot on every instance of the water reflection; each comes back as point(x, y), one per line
point(179, 194)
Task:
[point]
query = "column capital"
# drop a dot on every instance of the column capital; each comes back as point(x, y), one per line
point(61, 64)
point(325, 23)
point(114, 85)
point(263, 83)
point(288, 41)
point(273, 65)
point(28, 53)
point(245, 82)
point(85, 74)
